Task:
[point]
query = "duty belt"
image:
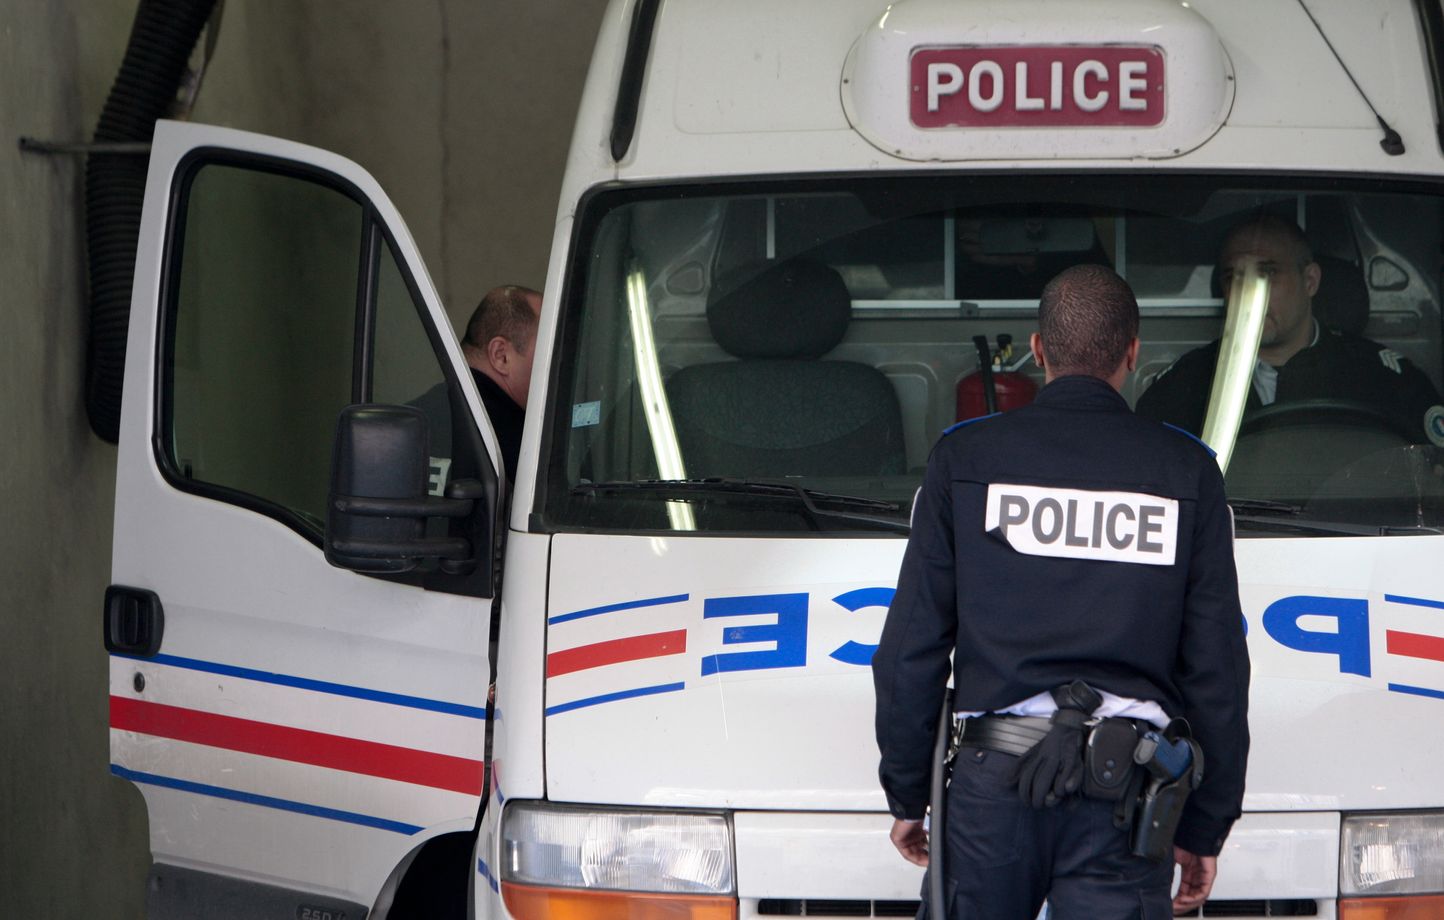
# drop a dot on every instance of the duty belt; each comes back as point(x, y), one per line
point(1014, 735)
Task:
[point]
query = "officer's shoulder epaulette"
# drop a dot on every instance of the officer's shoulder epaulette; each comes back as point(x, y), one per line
point(966, 422)
point(1367, 349)
point(1192, 437)
point(1391, 359)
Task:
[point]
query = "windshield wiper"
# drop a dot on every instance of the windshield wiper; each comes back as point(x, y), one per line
point(808, 499)
point(1262, 506)
point(1266, 514)
point(1331, 528)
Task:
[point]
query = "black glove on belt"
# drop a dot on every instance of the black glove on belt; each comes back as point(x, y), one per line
point(1053, 769)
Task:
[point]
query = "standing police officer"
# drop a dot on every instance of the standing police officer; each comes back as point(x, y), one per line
point(1077, 561)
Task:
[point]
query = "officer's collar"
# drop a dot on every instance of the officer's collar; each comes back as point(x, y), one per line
point(1080, 391)
point(1319, 328)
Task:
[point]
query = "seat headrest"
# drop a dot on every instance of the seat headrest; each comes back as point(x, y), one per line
point(793, 309)
point(1342, 300)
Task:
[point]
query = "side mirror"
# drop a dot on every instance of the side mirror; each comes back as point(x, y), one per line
point(377, 510)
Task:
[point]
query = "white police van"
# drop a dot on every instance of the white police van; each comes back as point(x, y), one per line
point(781, 226)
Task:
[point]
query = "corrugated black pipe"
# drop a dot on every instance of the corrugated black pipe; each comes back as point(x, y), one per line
point(161, 40)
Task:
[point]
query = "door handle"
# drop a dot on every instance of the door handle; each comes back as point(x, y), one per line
point(134, 621)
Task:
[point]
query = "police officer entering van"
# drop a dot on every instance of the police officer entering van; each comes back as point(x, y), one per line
point(1077, 562)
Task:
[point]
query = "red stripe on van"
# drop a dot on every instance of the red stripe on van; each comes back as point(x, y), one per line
point(616, 651)
point(1414, 645)
point(335, 752)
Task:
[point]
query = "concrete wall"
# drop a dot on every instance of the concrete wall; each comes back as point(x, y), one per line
point(72, 838)
point(462, 111)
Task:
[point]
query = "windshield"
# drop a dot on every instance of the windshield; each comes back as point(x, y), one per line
point(821, 336)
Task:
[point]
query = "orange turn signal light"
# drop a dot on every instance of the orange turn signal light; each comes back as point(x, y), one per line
point(532, 902)
point(1417, 907)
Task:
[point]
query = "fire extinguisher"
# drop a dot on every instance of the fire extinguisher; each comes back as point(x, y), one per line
point(997, 385)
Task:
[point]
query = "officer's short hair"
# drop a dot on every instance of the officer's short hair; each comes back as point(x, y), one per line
point(505, 312)
point(1087, 317)
point(1268, 224)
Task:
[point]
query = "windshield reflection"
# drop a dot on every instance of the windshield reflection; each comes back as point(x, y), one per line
point(728, 353)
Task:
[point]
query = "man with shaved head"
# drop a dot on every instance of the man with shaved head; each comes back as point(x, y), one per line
point(1299, 358)
point(1076, 561)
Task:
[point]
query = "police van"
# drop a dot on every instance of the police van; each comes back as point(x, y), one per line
point(352, 667)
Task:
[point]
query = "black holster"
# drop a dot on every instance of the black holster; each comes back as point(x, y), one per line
point(1156, 819)
point(1160, 803)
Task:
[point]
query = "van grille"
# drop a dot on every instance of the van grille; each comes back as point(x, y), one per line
point(1280, 907)
point(814, 907)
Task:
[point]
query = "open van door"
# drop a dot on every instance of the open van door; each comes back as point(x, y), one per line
point(297, 729)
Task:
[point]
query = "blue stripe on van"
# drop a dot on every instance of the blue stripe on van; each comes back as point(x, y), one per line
point(265, 801)
point(1414, 601)
point(613, 608)
point(1417, 691)
point(318, 686)
point(485, 872)
point(613, 697)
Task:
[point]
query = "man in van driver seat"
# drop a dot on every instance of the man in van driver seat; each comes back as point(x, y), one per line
point(1077, 562)
point(1299, 358)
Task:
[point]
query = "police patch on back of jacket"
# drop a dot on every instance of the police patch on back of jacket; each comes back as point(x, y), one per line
point(1083, 524)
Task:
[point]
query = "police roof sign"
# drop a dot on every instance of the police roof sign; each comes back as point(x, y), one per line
point(1037, 86)
point(1025, 79)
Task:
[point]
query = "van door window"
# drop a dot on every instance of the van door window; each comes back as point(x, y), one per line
point(289, 303)
point(262, 333)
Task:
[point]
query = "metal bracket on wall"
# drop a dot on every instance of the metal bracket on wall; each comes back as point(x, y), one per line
point(51, 148)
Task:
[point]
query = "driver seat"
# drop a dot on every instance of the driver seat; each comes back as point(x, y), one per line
point(1342, 301)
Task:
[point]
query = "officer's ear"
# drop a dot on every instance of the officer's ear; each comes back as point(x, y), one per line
point(1035, 344)
point(498, 354)
point(1312, 275)
point(1131, 355)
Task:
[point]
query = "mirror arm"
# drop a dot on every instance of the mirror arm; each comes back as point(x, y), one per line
point(454, 553)
point(452, 548)
point(377, 509)
point(430, 506)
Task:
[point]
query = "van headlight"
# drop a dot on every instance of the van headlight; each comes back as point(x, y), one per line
point(562, 861)
point(1392, 854)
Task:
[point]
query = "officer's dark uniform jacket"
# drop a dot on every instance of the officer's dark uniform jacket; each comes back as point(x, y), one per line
point(1018, 624)
point(1338, 366)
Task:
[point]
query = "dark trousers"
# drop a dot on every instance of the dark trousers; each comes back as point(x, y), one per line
point(1003, 858)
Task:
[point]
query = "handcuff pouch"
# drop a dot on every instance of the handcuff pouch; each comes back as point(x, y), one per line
point(1108, 759)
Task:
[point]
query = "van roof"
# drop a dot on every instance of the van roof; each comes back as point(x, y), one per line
point(754, 87)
